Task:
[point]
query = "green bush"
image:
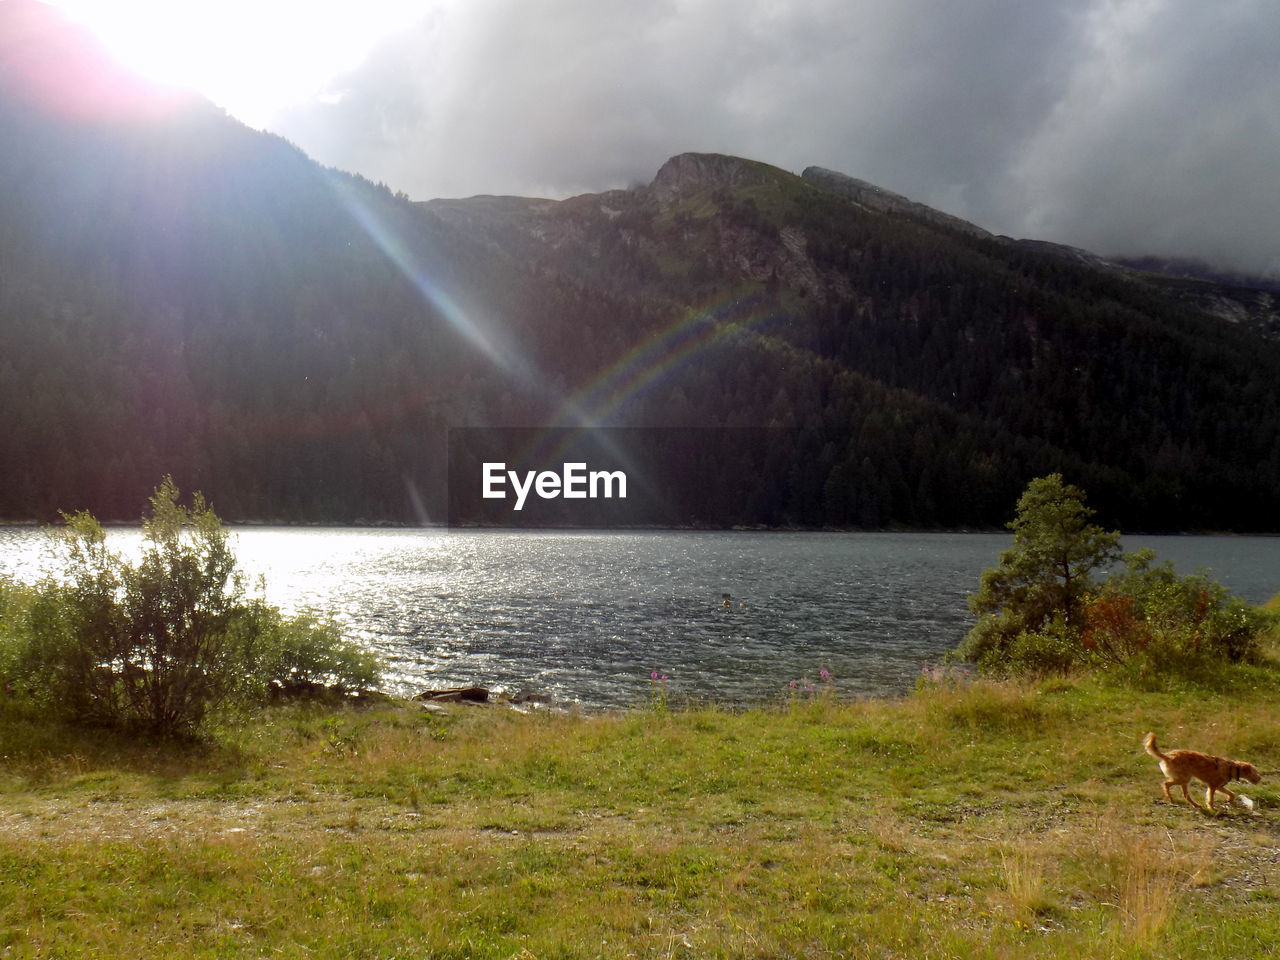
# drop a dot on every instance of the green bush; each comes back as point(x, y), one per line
point(15, 600)
point(161, 643)
point(1044, 611)
point(1046, 574)
point(1152, 614)
point(1053, 649)
point(303, 653)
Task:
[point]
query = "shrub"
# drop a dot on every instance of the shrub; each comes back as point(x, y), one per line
point(1053, 649)
point(1151, 612)
point(303, 654)
point(1043, 610)
point(160, 643)
point(1046, 574)
point(15, 600)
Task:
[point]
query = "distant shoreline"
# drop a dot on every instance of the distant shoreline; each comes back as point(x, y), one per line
point(691, 528)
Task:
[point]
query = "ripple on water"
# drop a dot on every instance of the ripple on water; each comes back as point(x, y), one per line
point(587, 617)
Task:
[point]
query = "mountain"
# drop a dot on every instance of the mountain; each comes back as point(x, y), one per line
point(871, 197)
point(1248, 301)
point(180, 294)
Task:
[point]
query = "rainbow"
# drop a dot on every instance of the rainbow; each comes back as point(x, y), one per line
point(657, 359)
point(602, 401)
point(640, 370)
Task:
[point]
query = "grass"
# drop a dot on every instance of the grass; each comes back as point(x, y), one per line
point(969, 820)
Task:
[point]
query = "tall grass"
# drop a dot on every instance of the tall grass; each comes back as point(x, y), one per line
point(1151, 877)
point(970, 819)
point(1022, 869)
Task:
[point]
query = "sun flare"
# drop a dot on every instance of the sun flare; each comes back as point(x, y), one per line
point(251, 57)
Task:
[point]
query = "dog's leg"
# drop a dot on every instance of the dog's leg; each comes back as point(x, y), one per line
point(1208, 796)
point(1231, 797)
point(1188, 796)
point(1167, 784)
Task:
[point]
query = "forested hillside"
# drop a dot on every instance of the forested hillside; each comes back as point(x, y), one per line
point(180, 294)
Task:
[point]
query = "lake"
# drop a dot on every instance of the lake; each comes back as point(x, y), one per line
point(587, 617)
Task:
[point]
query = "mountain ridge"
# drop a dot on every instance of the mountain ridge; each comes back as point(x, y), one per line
point(886, 201)
point(180, 295)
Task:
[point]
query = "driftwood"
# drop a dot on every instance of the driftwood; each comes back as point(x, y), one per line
point(455, 695)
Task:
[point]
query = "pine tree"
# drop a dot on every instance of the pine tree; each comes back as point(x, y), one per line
point(1045, 574)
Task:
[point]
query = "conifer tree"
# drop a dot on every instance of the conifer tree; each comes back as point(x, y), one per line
point(1045, 574)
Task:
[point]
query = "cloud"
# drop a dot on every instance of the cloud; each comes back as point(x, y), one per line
point(1165, 139)
point(1119, 125)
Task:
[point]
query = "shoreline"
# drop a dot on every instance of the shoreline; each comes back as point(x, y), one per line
point(688, 528)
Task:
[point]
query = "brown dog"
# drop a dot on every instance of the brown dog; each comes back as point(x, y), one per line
point(1180, 766)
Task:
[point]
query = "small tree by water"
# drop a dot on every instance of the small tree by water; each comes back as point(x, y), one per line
point(1044, 608)
point(1047, 572)
point(161, 643)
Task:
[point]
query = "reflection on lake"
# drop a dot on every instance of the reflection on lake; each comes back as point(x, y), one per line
point(586, 617)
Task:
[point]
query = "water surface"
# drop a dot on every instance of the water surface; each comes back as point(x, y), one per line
point(587, 617)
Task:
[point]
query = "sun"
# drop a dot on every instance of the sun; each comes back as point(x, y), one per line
point(250, 57)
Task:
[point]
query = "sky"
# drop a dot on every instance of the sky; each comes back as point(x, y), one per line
point(1123, 126)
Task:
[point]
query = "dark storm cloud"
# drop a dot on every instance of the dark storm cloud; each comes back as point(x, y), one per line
point(1167, 139)
point(1119, 125)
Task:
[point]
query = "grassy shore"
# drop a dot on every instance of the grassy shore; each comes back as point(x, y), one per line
point(970, 819)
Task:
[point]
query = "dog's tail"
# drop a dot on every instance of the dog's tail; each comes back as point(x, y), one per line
point(1149, 744)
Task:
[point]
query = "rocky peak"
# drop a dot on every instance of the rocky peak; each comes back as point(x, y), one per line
point(687, 173)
